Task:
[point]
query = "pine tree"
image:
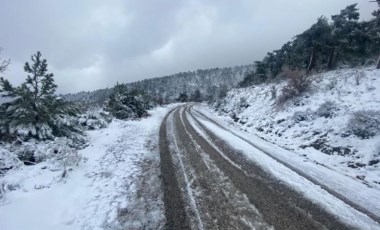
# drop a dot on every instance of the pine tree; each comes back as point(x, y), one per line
point(39, 88)
point(261, 71)
point(34, 110)
point(125, 104)
point(196, 96)
point(223, 90)
point(347, 33)
point(183, 97)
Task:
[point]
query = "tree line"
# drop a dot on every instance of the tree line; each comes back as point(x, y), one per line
point(326, 45)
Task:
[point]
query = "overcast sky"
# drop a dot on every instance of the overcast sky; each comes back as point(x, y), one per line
point(92, 44)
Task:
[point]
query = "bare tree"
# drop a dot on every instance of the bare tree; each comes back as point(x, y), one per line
point(4, 63)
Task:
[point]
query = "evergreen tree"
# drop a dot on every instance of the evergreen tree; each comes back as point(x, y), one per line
point(248, 80)
point(223, 90)
point(196, 96)
point(261, 71)
point(347, 34)
point(183, 97)
point(260, 75)
point(274, 61)
point(34, 110)
point(125, 104)
point(317, 41)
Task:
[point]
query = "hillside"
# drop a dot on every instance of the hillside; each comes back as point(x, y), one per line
point(335, 124)
point(210, 82)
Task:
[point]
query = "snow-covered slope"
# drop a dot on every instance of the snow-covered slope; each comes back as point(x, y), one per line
point(318, 125)
point(116, 187)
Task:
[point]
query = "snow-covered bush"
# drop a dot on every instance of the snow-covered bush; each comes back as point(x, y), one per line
point(217, 104)
point(243, 103)
point(332, 84)
point(273, 92)
point(327, 109)
point(95, 119)
point(243, 120)
point(25, 151)
point(298, 83)
point(61, 150)
point(58, 152)
point(126, 104)
point(8, 161)
point(307, 115)
point(359, 76)
point(364, 124)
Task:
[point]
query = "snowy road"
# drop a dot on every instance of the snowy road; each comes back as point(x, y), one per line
point(211, 181)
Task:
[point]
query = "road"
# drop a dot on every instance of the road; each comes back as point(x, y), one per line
point(210, 185)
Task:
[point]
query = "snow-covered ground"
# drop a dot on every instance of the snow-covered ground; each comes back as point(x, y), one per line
point(298, 127)
point(116, 187)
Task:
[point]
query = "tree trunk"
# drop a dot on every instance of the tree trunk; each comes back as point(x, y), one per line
point(378, 63)
point(330, 63)
point(312, 60)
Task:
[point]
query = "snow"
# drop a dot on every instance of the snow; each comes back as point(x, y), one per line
point(351, 90)
point(320, 142)
point(98, 193)
point(301, 184)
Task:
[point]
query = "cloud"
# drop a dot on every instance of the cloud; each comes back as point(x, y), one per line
point(92, 44)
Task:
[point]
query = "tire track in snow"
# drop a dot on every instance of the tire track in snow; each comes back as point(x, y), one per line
point(186, 183)
point(220, 203)
point(175, 211)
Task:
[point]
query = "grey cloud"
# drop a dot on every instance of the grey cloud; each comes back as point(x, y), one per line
point(92, 44)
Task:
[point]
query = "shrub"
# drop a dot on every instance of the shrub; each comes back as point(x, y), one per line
point(126, 104)
point(307, 115)
point(273, 92)
point(217, 104)
point(359, 75)
point(332, 85)
point(58, 152)
point(61, 151)
point(94, 120)
point(243, 103)
point(327, 109)
point(298, 83)
point(364, 124)
point(25, 152)
point(8, 161)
